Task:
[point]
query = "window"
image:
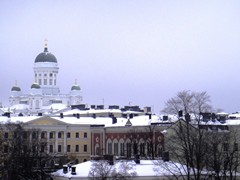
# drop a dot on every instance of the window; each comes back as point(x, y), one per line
point(68, 148)
point(59, 148)
point(34, 135)
point(85, 148)
point(59, 134)
point(45, 75)
point(115, 148)
point(42, 148)
point(68, 135)
point(77, 135)
point(55, 82)
point(235, 146)
point(85, 135)
point(51, 75)
point(51, 148)
point(43, 135)
point(109, 148)
point(40, 82)
point(35, 75)
point(122, 149)
point(77, 148)
point(45, 81)
point(50, 82)
point(142, 149)
point(225, 146)
point(34, 148)
point(51, 135)
point(25, 148)
point(6, 135)
point(37, 104)
point(5, 149)
point(24, 135)
point(129, 149)
point(97, 151)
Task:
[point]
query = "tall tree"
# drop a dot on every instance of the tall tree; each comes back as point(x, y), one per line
point(22, 153)
point(189, 102)
point(200, 149)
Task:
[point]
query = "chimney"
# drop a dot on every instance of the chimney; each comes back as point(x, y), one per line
point(188, 117)
point(137, 159)
point(150, 116)
point(114, 120)
point(165, 118)
point(180, 113)
point(74, 170)
point(65, 169)
point(165, 156)
point(130, 116)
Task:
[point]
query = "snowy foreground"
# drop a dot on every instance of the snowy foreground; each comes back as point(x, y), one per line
point(147, 169)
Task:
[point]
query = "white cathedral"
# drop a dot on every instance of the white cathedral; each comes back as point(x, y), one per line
point(44, 95)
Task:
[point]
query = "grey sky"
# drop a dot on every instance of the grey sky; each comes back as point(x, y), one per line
point(126, 51)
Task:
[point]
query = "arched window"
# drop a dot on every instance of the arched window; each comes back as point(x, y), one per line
point(142, 147)
point(115, 145)
point(129, 147)
point(37, 104)
point(122, 147)
point(97, 149)
point(109, 146)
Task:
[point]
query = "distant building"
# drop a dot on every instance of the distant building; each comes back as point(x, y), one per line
point(44, 92)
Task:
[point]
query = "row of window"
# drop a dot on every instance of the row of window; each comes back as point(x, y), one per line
point(51, 135)
point(45, 82)
point(119, 148)
point(42, 148)
point(68, 148)
point(45, 75)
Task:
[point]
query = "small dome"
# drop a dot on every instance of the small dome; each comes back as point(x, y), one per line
point(75, 87)
point(46, 57)
point(16, 88)
point(35, 86)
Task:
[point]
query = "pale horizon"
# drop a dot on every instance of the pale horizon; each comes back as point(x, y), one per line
point(126, 52)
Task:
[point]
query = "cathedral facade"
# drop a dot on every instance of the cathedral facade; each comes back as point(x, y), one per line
point(44, 93)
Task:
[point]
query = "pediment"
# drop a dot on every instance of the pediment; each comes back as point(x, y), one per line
point(45, 120)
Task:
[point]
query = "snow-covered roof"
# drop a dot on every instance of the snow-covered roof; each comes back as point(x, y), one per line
point(147, 168)
point(142, 120)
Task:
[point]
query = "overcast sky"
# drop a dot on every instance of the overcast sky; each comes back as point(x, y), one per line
point(136, 52)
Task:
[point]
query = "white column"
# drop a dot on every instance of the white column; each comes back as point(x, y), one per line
point(65, 142)
point(56, 141)
point(48, 144)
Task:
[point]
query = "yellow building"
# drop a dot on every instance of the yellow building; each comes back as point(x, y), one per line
point(64, 138)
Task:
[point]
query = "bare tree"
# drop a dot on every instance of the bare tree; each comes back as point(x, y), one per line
point(102, 170)
point(152, 143)
point(199, 153)
point(187, 145)
point(223, 154)
point(22, 153)
point(189, 102)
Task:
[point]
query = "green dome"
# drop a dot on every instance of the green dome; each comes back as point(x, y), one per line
point(35, 86)
point(16, 88)
point(75, 87)
point(46, 57)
